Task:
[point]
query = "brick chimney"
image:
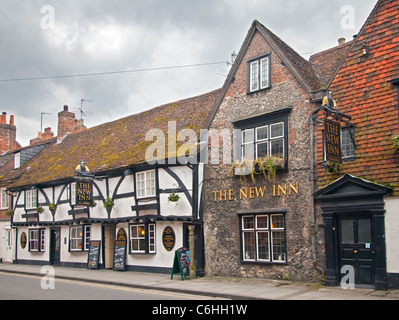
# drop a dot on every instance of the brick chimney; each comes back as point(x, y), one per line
point(8, 134)
point(68, 124)
point(47, 134)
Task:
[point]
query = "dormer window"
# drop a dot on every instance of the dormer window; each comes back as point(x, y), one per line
point(17, 160)
point(259, 76)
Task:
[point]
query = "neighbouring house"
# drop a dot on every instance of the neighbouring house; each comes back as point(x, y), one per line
point(359, 198)
point(62, 206)
point(12, 160)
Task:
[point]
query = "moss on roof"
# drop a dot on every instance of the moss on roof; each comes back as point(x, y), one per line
point(115, 144)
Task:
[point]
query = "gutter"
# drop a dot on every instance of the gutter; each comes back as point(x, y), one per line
point(313, 179)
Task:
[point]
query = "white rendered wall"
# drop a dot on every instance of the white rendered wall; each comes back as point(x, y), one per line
point(392, 233)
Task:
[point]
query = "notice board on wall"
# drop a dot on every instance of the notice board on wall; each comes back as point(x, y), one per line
point(94, 253)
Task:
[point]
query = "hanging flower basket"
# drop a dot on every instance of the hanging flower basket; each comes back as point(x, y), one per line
point(39, 209)
point(331, 167)
point(268, 167)
point(10, 212)
point(395, 143)
point(93, 204)
point(52, 207)
point(108, 203)
point(173, 197)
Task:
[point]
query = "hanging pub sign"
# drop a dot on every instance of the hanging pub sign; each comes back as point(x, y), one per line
point(332, 138)
point(84, 192)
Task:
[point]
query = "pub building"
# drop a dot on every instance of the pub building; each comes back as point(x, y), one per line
point(259, 215)
point(94, 191)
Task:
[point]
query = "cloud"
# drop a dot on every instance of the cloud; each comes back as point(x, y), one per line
point(126, 35)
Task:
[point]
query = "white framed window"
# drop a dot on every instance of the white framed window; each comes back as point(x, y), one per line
point(30, 199)
point(73, 193)
point(37, 240)
point(142, 238)
point(263, 238)
point(259, 74)
point(79, 238)
point(262, 141)
point(348, 147)
point(137, 238)
point(347, 144)
point(17, 160)
point(4, 199)
point(145, 184)
point(151, 238)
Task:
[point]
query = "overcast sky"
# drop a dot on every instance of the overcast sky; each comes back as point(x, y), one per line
point(57, 38)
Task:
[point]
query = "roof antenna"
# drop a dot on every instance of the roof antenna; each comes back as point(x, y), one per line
point(233, 58)
point(41, 120)
point(81, 108)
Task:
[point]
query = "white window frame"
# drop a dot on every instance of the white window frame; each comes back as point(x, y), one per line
point(347, 130)
point(259, 74)
point(73, 193)
point(82, 236)
point(270, 230)
point(269, 140)
point(146, 184)
point(135, 236)
point(17, 160)
point(37, 240)
point(148, 239)
point(4, 199)
point(31, 199)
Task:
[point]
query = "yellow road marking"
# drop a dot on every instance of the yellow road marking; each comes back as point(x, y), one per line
point(113, 287)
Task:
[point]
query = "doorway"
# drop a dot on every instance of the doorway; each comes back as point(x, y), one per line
point(356, 247)
point(8, 245)
point(109, 242)
point(55, 254)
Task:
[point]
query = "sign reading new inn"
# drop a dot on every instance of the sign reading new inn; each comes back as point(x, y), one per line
point(84, 192)
point(332, 134)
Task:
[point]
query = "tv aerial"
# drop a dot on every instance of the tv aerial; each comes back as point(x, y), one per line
point(81, 108)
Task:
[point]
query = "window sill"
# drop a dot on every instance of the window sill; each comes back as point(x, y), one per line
point(259, 90)
point(142, 253)
point(264, 262)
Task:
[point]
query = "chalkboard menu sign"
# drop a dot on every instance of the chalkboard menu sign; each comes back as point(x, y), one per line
point(181, 262)
point(119, 255)
point(94, 253)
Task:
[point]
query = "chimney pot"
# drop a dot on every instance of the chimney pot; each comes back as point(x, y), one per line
point(65, 108)
point(12, 120)
point(341, 41)
point(4, 118)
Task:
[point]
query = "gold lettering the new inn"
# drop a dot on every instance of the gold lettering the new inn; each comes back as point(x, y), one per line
point(255, 192)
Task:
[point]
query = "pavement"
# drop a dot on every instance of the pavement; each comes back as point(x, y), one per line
point(215, 287)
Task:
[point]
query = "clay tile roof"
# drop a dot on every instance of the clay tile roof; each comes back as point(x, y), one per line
point(327, 62)
point(299, 66)
point(117, 144)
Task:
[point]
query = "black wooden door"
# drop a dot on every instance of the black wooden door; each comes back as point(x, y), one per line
point(356, 247)
point(55, 247)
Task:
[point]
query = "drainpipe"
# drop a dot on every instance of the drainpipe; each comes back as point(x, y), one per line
point(313, 179)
